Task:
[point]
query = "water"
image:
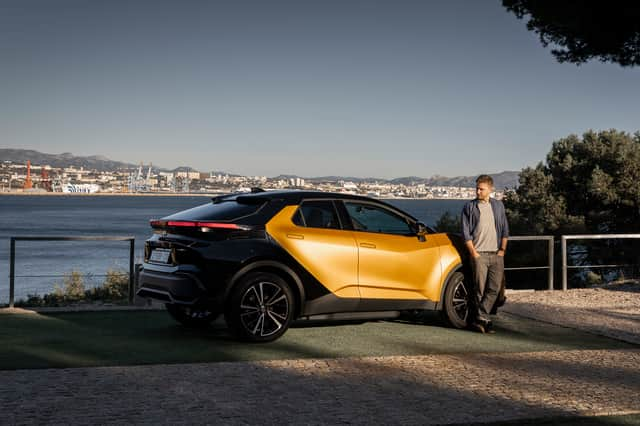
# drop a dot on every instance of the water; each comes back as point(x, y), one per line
point(41, 265)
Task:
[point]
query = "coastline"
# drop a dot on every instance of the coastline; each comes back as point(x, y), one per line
point(175, 194)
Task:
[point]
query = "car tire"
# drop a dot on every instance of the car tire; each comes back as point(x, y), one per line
point(260, 307)
point(457, 301)
point(191, 316)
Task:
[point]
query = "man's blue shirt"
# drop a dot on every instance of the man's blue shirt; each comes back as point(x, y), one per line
point(471, 219)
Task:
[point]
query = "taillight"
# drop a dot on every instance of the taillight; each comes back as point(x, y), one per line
point(204, 226)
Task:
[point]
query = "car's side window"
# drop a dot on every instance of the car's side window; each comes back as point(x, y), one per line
point(370, 218)
point(317, 214)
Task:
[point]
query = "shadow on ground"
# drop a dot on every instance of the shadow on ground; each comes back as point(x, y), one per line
point(143, 337)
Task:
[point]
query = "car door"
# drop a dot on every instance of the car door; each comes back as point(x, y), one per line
point(312, 234)
point(393, 262)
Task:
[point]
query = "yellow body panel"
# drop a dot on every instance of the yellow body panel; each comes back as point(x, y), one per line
point(449, 258)
point(330, 255)
point(368, 265)
point(398, 267)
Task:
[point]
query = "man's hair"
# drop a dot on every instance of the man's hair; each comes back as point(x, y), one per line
point(485, 179)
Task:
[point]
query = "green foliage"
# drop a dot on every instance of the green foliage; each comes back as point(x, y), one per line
point(593, 279)
point(587, 185)
point(72, 289)
point(449, 223)
point(583, 30)
point(114, 289)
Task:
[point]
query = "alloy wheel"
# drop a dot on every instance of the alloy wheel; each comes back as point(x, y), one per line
point(264, 309)
point(461, 301)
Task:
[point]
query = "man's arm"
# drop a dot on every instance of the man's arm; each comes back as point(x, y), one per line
point(471, 248)
point(503, 247)
point(505, 232)
point(466, 230)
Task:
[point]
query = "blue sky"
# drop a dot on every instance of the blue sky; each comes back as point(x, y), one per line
point(313, 88)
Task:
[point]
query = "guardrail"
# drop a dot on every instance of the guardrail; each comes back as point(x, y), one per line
point(565, 238)
point(548, 238)
point(549, 267)
point(12, 260)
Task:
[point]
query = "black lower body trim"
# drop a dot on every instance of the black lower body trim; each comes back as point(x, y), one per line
point(170, 288)
point(331, 304)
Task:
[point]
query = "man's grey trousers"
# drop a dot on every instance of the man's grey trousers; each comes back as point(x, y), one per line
point(488, 270)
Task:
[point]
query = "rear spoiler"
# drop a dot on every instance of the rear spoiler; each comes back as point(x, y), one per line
point(240, 198)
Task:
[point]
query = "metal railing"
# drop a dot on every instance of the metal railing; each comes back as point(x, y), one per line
point(563, 240)
point(549, 267)
point(12, 260)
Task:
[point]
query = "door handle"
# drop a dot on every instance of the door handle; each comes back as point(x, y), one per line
point(367, 245)
point(296, 236)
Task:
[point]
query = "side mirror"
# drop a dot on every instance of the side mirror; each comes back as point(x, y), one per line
point(422, 231)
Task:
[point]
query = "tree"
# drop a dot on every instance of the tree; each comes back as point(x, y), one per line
point(587, 185)
point(581, 30)
point(449, 222)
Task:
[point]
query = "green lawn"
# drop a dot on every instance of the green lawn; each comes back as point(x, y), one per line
point(152, 337)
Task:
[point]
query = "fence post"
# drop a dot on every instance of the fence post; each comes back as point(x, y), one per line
point(131, 271)
point(551, 243)
point(563, 240)
point(12, 273)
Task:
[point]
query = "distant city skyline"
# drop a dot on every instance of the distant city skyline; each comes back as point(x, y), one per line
point(346, 88)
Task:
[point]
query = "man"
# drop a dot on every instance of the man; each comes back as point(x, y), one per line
point(485, 231)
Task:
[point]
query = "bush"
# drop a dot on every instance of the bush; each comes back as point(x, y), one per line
point(73, 287)
point(115, 288)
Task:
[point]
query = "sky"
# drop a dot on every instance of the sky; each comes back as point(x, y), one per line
point(386, 88)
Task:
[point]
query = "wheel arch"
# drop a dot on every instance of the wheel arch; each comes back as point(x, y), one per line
point(457, 268)
point(274, 267)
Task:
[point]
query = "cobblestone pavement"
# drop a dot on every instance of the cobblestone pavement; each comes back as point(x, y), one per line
point(376, 390)
point(612, 310)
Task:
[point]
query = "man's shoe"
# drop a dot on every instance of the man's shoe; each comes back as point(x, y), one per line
point(477, 327)
point(488, 328)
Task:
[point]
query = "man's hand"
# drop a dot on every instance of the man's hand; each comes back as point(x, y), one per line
point(501, 253)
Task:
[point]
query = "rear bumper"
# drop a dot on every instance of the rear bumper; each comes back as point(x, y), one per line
point(171, 287)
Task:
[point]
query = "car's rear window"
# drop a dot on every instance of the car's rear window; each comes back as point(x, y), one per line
point(224, 211)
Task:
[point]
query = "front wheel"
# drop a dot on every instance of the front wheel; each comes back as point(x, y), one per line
point(260, 308)
point(457, 296)
point(191, 316)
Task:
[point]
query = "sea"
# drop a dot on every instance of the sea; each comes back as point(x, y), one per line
point(40, 266)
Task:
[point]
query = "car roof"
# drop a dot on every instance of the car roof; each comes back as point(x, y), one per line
point(295, 196)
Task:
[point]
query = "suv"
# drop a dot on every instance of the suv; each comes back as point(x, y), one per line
point(267, 258)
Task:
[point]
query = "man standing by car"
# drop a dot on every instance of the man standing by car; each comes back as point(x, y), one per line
point(485, 231)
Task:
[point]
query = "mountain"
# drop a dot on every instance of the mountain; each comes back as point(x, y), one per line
point(502, 180)
point(66, 159)
point(506, 179)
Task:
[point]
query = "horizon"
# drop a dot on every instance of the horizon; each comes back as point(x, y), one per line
point(358, 89)
point(101, 157)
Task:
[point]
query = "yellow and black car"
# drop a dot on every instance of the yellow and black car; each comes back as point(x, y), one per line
point(267, 258)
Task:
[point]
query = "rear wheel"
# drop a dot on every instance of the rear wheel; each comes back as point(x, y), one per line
point(191, 316)
point(456, 300)
point(260, 307)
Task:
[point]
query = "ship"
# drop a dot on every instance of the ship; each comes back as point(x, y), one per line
point(85, 188)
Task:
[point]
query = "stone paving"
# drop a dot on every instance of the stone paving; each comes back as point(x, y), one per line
point(431, 389)
point(611, 310)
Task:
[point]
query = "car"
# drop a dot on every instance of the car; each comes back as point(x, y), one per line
point(266, 258)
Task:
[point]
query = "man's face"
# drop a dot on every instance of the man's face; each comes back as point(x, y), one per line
point(483, 190)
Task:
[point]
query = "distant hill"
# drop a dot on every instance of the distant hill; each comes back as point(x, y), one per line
point(506, 179)
point(66, 159)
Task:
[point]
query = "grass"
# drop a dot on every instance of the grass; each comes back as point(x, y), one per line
point(152, 337)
